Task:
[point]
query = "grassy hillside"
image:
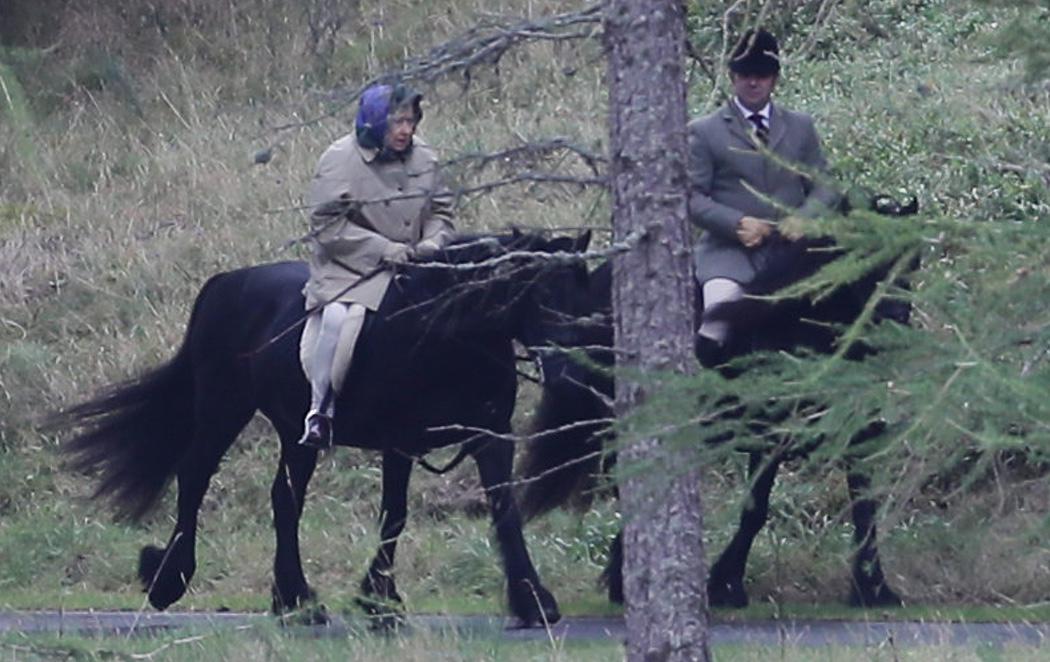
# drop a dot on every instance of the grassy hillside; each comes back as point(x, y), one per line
point(127, 177)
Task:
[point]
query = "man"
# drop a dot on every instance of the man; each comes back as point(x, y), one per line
point(376, 198)
point(749, 165)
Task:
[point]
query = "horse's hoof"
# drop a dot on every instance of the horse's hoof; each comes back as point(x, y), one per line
point(291, 601)
point(727, 594)
point(535, 607)
point(380, 602)
point(162, 590)
point(384, 615)
point(380, 587)
point(308, 615)
point(882, 596)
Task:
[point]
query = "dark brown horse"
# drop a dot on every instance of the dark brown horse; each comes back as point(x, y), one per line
point(568, 452)
point(436, 359)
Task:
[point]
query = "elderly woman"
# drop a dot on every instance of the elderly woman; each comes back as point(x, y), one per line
point(376, 198)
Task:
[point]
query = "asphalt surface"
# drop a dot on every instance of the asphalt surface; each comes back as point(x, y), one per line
point(762, 633)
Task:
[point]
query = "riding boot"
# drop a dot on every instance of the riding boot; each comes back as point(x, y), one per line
point(711, 353)
point(317, 428)
point(317, 431)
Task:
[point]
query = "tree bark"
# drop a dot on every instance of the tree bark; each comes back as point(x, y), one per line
point(664, 572)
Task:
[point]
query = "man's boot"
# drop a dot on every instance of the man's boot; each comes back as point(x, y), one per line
point(712, 354)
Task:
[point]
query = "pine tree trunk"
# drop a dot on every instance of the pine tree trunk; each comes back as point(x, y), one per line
point(664, 573)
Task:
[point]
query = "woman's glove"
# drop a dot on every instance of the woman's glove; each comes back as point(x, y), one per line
point(398, 252)
point(426, 247)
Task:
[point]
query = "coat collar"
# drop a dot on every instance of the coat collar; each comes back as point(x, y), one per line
point(369, 155)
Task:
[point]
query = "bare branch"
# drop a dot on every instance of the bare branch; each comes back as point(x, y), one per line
point(558, 256)
point(516, 438)
point(481, 45)
point(353, 206)
point(529, 153)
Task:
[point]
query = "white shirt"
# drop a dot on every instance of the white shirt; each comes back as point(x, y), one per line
point(766, 111)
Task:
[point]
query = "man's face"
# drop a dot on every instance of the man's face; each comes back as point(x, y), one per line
point(754, 91)
point(399, 130)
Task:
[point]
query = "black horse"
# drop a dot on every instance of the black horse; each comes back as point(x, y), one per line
point(568, 450)
point(434, 365)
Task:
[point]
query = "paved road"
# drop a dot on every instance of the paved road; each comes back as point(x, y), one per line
point(772, 633)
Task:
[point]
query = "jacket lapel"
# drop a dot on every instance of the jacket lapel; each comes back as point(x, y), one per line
point(777, 126)
point(735, 124)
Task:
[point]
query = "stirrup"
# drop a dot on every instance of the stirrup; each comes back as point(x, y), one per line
point(317, 431)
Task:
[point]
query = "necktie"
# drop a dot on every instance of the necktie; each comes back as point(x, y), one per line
point(761, 131)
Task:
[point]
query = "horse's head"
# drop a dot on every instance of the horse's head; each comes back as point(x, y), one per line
point(561, 310)
point(880, 203)
point(890, 206)
point(524, 284)
point(553, 283)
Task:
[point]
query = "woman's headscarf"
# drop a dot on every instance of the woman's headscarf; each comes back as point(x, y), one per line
point(378, 103)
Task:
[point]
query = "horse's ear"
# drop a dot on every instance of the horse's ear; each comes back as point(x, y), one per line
point(582, 242)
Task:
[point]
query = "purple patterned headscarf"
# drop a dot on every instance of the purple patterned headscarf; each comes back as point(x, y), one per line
point(378, 102)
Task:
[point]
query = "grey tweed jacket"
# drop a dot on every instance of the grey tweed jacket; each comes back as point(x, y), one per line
point(730, 178)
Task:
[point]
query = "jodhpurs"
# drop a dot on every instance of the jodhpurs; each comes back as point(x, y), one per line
point(718, 291)
point(326, 349)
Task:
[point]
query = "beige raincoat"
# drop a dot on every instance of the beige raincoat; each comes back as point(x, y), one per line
point(397, 203)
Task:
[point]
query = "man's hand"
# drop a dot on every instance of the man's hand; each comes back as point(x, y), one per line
point(792, 228)
point(752, 231)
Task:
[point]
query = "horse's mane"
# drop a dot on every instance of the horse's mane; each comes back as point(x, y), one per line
point(480, 260)
point(474, 273)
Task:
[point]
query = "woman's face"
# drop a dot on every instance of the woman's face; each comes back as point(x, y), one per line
point(400, 128)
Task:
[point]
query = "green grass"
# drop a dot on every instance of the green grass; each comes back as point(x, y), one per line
point(258, 642)
point(271, 643)
point(918, 613)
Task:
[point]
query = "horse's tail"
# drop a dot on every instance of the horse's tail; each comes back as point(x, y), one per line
point(134, 434)
point(566, 453)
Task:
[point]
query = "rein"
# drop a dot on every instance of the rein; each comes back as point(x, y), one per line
point(470, 446)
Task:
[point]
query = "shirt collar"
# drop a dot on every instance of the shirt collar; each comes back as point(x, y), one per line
point(766, 111)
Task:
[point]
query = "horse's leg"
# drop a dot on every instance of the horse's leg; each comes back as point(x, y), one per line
point(869, 587)
point(529, 600)
point(612, 576)
point(217, 421)
point(378, 588)
point(287, 496)
point(725, 583)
